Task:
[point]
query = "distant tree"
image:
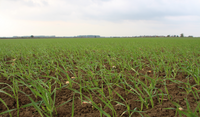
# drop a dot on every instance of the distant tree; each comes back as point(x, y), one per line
point(168, 35)
point(32, 36)
point(182, 35)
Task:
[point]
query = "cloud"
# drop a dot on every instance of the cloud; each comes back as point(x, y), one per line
point(104, 17)
point(107, 10)
point(30, 3)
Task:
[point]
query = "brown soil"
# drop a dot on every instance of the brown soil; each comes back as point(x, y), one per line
point(177, 94)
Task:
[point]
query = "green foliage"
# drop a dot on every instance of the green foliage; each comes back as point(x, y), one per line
point(112, 62)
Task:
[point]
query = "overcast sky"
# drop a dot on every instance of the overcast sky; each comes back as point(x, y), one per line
point(99, 17)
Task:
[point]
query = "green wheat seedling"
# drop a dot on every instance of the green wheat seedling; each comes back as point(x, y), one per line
point(15, 90)
point(187, 112)
point(95, 67)
point(1, 90)
point(126, 105)
point(42, 90)
point(106, 101)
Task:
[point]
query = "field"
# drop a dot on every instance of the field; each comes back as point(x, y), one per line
point(114, 77)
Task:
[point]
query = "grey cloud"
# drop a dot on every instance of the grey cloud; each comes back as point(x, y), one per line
point(29, 3)
point(116, 10)
point(109, 10)
point(146, 11)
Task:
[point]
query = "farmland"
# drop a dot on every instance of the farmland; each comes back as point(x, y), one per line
point(115, 77)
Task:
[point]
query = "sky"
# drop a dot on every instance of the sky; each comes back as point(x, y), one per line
point(99, 17)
